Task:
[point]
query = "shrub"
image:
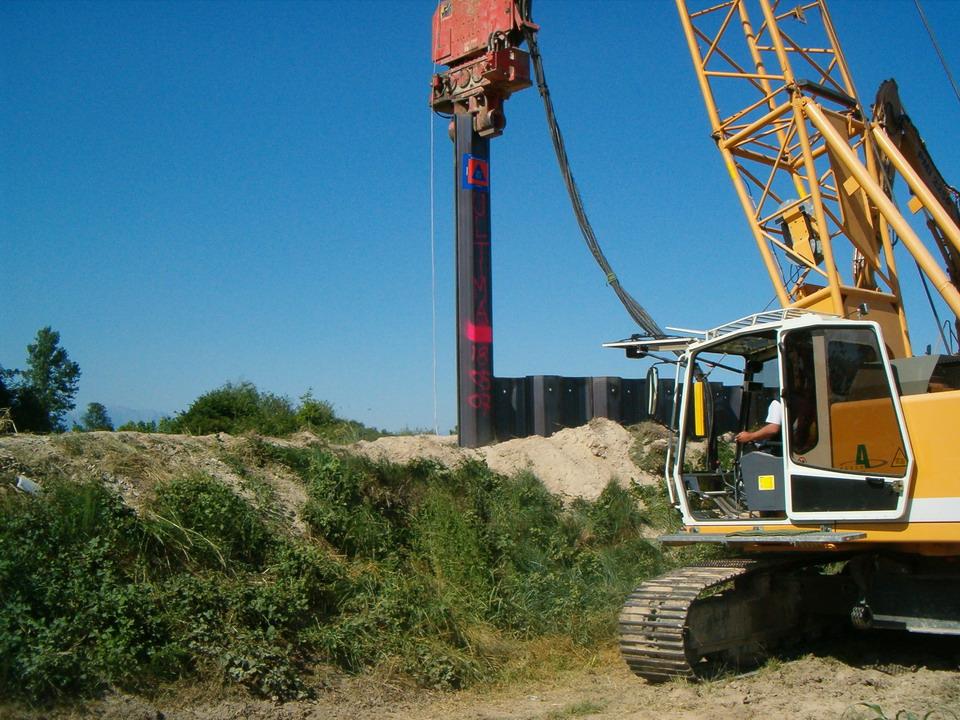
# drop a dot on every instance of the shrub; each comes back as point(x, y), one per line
point(241, 408)
point(208, 522)
point(71, 615)
point(315, 415)
point(356, 505)
point(236, 409)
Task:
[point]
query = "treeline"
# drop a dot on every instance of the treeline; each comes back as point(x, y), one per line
point(38, 398)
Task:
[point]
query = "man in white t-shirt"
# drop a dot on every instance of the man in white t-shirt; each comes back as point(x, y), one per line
point(772, 426)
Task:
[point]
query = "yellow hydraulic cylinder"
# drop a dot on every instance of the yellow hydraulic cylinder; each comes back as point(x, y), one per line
point(885, 205)
point(918, 187)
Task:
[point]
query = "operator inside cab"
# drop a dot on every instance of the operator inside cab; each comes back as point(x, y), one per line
point(770, 429)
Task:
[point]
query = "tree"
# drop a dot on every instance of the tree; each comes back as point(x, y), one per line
point(314, 414)
point(51, 376)
point(7, 387)
point(7, 398)
point(26, 411)
point(29, 412)
point(96, 418)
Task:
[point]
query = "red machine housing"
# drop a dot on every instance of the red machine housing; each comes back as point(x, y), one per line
point(478, 42)
point(462, 28)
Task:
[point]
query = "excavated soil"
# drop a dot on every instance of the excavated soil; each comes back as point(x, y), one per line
point(135, 463)
point(574, 462)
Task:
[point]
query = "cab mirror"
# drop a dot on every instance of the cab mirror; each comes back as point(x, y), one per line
point(653, 391)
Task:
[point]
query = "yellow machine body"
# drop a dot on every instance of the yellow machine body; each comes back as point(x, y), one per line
point(877, 461)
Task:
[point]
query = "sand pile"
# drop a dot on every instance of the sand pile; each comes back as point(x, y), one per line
point(575, 462)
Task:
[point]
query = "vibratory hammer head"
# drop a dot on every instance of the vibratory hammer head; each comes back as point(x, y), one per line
point(478, 41)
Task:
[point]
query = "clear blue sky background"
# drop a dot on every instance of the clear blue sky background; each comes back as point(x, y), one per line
point(195, 193)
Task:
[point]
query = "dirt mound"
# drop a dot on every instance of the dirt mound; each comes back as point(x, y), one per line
point(135, 463)
point(575, 462)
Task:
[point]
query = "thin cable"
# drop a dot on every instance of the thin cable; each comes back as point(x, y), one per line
point(933, 308)
point(936, 46)
point(433, 273)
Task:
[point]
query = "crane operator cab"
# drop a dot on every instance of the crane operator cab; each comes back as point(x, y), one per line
point(841, 451)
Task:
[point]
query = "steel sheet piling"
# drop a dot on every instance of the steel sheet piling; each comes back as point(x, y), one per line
point(475, 414)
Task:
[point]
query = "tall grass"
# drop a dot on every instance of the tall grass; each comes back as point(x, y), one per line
point(436, 572)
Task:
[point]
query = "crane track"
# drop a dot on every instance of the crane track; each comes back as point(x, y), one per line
point(653, 623)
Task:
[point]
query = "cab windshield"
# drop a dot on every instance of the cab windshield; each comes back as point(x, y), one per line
point(740, 381)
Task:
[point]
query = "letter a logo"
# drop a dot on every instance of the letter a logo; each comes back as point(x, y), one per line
point(476, 173)
point(862, 459)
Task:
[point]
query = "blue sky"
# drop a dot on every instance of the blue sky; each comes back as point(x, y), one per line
point(196, 193)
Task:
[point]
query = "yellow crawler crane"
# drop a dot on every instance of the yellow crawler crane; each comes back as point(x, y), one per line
point(855, 513)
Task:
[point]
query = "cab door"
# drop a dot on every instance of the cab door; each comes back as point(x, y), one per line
point(847, 454)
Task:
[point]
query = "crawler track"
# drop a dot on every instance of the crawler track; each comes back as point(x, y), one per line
point(655, 624)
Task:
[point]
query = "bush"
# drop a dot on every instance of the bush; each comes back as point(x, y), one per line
point(242, 408)
point(209, 523)
point(356, 505)
point(315, 415)
point(236, 409)
point(72, 617)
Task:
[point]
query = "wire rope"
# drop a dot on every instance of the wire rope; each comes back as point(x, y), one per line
point(936, 46)
point(433, 270)
point(933, 308)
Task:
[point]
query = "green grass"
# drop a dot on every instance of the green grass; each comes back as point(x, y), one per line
point(584, 708)
point(442, 574)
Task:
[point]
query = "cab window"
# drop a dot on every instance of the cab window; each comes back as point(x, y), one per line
point(839, 404)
